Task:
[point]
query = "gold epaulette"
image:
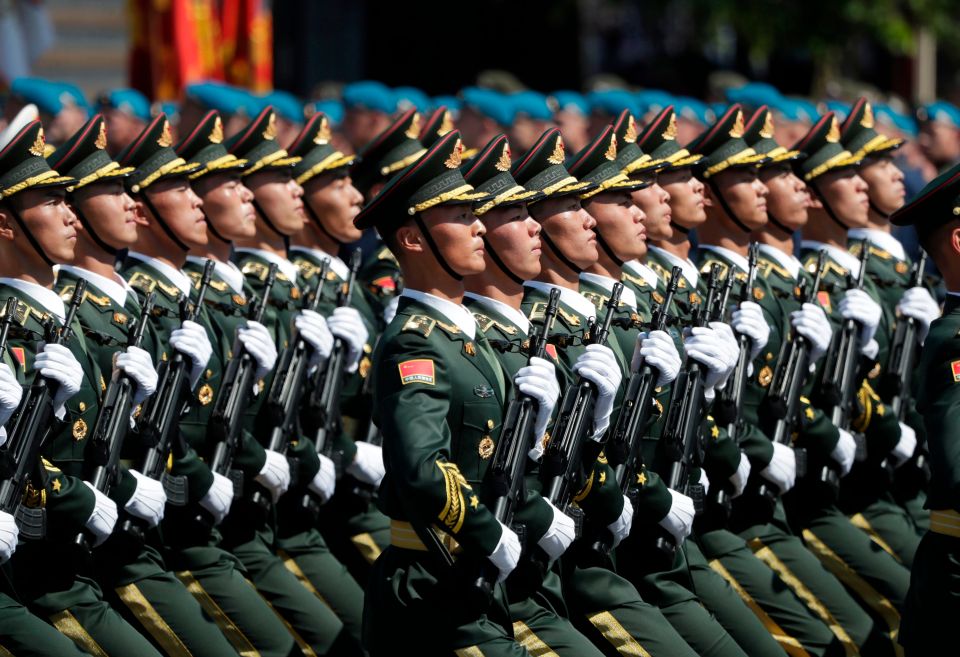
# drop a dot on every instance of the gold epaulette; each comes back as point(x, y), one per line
point(857, 247)
point(639, 281)
point(708, 266)
point(102, 301)
point(22, 313)
point(767, 267)
point(539, 310)
point(386, 254)
point(485, 323)
point(147, 284)
point(662, 273)
point(256, 269)
point(596, 299)
point(425, 325)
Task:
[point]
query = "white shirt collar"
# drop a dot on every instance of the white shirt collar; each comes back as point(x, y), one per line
point(640, 269)
point(175, 276)
point(885, 241)
point(511, 313)
point(456, 313)
point(844, 258)
point(787, 260)
point(735, 258)
point(626, 295)
point(44, 296)
point(228, 271)
point(116, 288)
point(686, 266)
point(286, 267)
point(573, 300)
point(337, 266)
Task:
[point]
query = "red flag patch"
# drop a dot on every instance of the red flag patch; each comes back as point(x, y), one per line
point(385, 283)
point(552, 350)
point(955, 368)
point(20, 355)
point(417, 371)
point(824, 298)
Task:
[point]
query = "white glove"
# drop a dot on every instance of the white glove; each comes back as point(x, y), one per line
point(313, 329)
point(748, 320)
point(325, 481)
point(390, 310)
point(706, 346)
point(679, 520)
point(620, 528)
point(148, 499)
point(845, 452)
point(507, 553)
point(258, 342)
point(367, 465)
point(192, 341)
point(103, 517)
point(658, 350)
point(560, 534)
point(861, 308)
point(275, 474)
point(345, 323)
point(11, 392)
point(9, 532)
point(219, 498)
point(740, 477)
point(56, 362)
point(905, 446)
point(782, 470)
point(917, 303)
point(538, 379)
point(138, 365)
point(599, 366)
point(704, 481)
point(812, 323)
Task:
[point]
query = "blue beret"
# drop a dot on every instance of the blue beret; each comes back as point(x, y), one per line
point(795, 109)
point(286, 105)
point(452, 103)
point(939, 110)
point(332, 108)
point(130, 101)
point(49, 97)
point(839, 108)
point(754, 94)
point(612, 101)
point(169, 108)
point(411, 97)
point(226, 99)
point(693, 110)
point(570, 100)
point(371, 95)
point(652, 100)
point(489, 103)
point(531, 103)
point(903, 122)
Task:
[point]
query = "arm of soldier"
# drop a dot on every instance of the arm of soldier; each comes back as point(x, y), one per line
point(721, 454)
point(534, 514)
point(194, 471)
point(876, 421)
point(600, 498)
point(652, 499)
point(250, 457)
point(938, 401)
point(67, 500)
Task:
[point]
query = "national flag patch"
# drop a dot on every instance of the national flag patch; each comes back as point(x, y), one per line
point(20, 355)
point(552, 350)
point(955, 368)
point(420, 370)
point(384, 283)
point(824, 298)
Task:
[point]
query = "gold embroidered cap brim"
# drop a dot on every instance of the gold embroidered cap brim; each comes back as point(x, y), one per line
point(879, 144)
point(745, 158)
point(45, 179)
point(511, 197)
point(111, 171)
point(619, 181)
point(842, 160)
point(278, 159)
point(462, 194)
point(334, 161)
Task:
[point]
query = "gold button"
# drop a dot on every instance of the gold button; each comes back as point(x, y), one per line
point(83, 407)
point(489, 424)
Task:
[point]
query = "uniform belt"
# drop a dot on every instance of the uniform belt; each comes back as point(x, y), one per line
point(403, 535)
point(946, 522)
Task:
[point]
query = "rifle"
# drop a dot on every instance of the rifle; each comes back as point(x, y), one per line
point(904, 349)
point(20, 456)
point(113, 421)
point(505, 475)
point(566, 454)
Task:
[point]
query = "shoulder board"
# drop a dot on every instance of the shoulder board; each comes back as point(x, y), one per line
point(569, 318)
point(22, 313)
point(596, 299)
point(810, 264)
point(660, 271)
point(767, 267)
point(485, 323)
point(257, 270)
point(639, 281)
point(420, 324)
point(880, 253)
point(710, 262)
point(386, 254)
point(307, 269)
point(142, 282)
point(219, 286)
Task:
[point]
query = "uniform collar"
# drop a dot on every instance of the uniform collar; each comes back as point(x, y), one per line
point(337, 266)
point(729, 255)
point(227, 271)
point(844, 258)
point(643, 271)
point(885, 241)
point(686, 266)
point(456, 313)
point(115, 288)
point(173, 275)
point(43, 296)
point(573, 300)
point(626, 295)
point(286, 267)
point(509, 312)
point(787, 260)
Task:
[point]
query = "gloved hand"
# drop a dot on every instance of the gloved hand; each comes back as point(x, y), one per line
point(148, 499)
point(275, 474)
point(11, 392)
point(538, 379)
point(103, 517)
point(905, 446)
point(559, 535)
point(57, 363)
point(390, 310)
point(739, 478)
point(917, 303)
point(345, 323)
point(782, 470)
point(506, 554)
point(192, 341)
point(705, 346)
point(732, 345)
point(9, 532)
point(704, 481)
point(811, 322)
point(258, 342)
point(679, 519)
point(599, 366)
point(620, 528)
point(658, 350)
point(138, 365)
point(748, 320)
point(845, 452)
point(861, 308)
point(219, 498)
point(325, 481)
point(367, 465)
point(313, 328)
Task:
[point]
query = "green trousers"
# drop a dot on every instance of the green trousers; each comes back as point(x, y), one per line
point(354, 529)
point(933, 602)
point(23, 634)
point(891, 527)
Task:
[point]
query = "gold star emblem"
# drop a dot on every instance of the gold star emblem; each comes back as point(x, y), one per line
point(642, 478)
point(56, 485)
point(715, 431)
point(474, 501)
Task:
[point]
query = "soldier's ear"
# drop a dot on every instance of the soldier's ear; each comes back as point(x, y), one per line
point(955, 240)
point(7, 224)
point(708, 200)
point(409, 238)
point(140, 212)
point(815, 201)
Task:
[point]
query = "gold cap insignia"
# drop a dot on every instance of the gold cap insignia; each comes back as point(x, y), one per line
point(631, 135)
point(456, 157)
point(166, 139)
point(556, 157)
point(503, 164)
point(737, 130)
point(414, 130)
point(216, 135)
point(767, 131)
point(670, 134)
point(447, 124)
point(867, 120)
point(323, 135)
point(101, 141)
point(834, 135)
point(37, 148)
point(486, 447)
point(611, 153)
point(270, 132)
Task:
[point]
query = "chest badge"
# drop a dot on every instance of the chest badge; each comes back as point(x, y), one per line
point(901, 267)
point(205, 394)
point(486, 447)
point(765, 376)
point(79, 430)
point(470, 349)
point(119, 318)
point(483, 391)
point(758, 293)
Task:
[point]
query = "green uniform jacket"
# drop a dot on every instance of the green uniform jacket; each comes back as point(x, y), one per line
point(381, 279)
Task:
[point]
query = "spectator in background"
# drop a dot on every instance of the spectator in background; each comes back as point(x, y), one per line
point(369, 107)
point(289, 112)
point(127, 113)
point(63, 108)
point(939, 137)
point(485, 113)
point(532, 117)
point(570, 112)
